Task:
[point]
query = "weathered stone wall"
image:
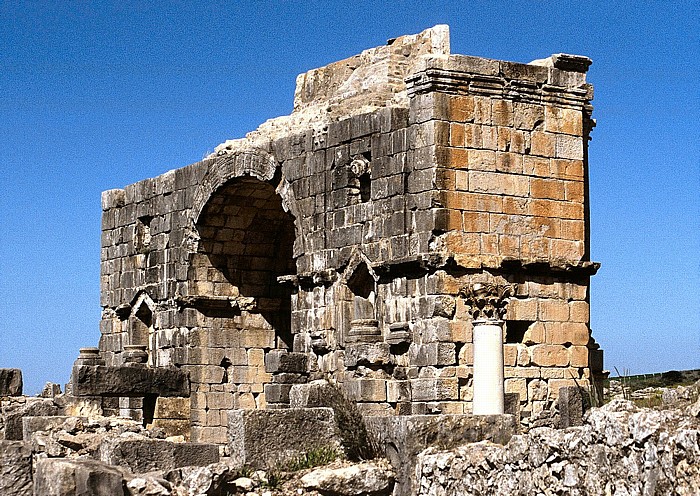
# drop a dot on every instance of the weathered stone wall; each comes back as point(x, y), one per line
point(620, 449)
point(348, 230)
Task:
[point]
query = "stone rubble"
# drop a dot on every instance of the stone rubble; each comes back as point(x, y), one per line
point(362, 478)
point(620, 449)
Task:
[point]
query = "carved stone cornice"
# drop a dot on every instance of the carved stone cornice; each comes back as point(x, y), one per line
point(487, 301)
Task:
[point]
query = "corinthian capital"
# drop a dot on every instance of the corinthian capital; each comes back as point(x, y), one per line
point(487, 301)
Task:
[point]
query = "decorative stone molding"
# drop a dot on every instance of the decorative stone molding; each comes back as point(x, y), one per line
point(487, 301)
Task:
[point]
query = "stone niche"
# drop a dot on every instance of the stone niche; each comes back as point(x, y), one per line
point(346, 231)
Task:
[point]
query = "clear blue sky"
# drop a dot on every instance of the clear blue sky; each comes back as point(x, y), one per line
point(97, 95)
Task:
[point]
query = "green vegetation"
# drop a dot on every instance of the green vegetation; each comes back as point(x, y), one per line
point(312, 458)
point(358, 443)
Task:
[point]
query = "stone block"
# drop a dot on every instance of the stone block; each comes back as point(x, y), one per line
point(522, 309)
point(553, 310)
point(258, 338)
point(527, 116)
point(565, 333)
point(569, 147)
point(579, 311)
point(268, 439)
point(10, 382)
point(313, 394)
point(219, 400)
point(570, 405)
point(370, 390)
point(277, 393)
point(547, 355)
point(563, 120)
point(579, 356)
point(134, 380)
point(367, 354)
point(446, 354)
point(435, 389)
point(147, 455)
point(403, 437)
point(69, 477)
point(34, 407)
point(421, 355)
point(172, 407)
point(510, 355)
point(15, 469)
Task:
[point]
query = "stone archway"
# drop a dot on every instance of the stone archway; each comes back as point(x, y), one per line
point(245, 244)
point(247, 239)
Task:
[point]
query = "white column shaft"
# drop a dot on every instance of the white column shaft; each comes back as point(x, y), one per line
point(488, 368)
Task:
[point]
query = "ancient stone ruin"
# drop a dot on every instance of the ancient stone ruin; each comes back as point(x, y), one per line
point(414, 235)
point(344, 241)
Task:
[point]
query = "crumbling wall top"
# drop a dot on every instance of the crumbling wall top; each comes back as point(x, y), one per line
point(375, 75)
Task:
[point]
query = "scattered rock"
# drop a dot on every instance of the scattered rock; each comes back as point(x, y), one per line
point(372, 477)
point(619, 449)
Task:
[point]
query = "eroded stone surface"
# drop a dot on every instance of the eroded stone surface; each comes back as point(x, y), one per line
point(618, 449)
point(337, 242)
point(374, 477)
point(67, 477)
point(15, 469)
point(272, 438)
point(147, 455)
point(10, 382)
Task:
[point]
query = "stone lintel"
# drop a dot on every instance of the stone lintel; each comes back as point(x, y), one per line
point(132, 380)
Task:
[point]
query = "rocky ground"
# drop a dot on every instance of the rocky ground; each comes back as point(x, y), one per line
point(621, 449)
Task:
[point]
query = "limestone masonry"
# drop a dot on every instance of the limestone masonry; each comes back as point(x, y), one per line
point(410, 193)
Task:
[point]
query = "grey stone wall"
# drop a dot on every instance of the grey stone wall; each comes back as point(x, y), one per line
point(347, 232)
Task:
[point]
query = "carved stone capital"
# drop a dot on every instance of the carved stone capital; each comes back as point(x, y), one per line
point(487, 301)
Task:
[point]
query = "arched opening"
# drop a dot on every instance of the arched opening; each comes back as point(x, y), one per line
point(360, 302)
point(248, 240)
point(246, 244)
point(141, 331)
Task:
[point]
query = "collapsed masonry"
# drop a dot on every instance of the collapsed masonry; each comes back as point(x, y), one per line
point(410, 194)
